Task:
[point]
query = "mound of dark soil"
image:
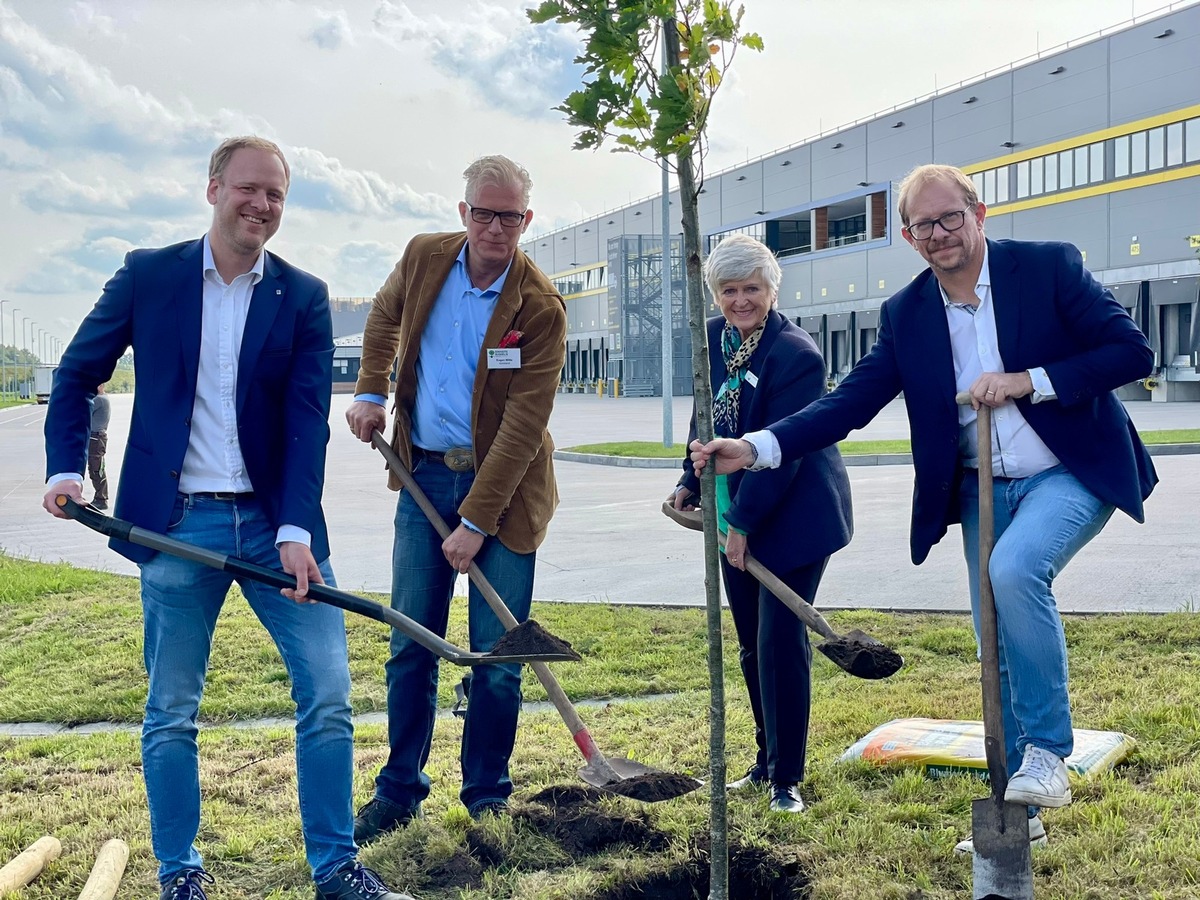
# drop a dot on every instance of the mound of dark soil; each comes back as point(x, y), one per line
point(485, 848)
point(863, 656)
point(569, 814)
point(459, 871)
point(530, 638)
point(754, 874)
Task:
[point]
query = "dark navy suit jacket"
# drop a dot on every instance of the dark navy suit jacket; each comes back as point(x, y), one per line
point(800, 512)
point(1050, 312)
point(153, 304)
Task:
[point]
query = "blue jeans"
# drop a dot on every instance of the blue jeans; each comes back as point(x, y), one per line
point(1041, 522)
point(776, 660)
point(181, 601)
point(422, 585)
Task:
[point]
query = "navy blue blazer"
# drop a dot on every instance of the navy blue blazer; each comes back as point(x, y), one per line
point(153, 304)
point(800, 512)
point(1050, 312)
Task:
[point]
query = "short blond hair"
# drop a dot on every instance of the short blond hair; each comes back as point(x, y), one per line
point(923, 175)
point(497, 171)
point(221, 156)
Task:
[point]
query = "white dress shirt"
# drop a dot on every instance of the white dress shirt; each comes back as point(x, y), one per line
point(1017, 451)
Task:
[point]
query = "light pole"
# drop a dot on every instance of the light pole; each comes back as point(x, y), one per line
point(24, 342)
point(3, 353)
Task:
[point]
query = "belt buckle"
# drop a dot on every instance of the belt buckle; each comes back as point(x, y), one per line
point(459, 459)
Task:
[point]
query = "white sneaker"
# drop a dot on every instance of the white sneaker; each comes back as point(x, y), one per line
point(1037, 837)
point(754, 778)
point(786, 798)
point(1041, 780)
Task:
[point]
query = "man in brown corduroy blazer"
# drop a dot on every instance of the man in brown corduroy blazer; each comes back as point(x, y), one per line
point(478, 335)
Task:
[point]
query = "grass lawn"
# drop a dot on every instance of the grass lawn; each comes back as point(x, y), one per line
point(850, 448)
point(70, 652)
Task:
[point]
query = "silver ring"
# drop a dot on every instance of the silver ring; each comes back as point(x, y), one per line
point(991, 393)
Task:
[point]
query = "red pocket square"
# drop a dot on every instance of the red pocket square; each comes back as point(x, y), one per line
point(512, 339)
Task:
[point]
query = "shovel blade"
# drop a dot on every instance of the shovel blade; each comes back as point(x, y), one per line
point(1003, 867)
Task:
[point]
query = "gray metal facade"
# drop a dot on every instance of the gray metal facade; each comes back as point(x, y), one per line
point(1097, 144)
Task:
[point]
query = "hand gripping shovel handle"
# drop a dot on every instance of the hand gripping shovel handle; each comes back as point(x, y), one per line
point(126, 531)
point(583, 739)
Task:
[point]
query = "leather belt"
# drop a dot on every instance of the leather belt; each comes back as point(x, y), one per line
point(228, 496)
point(456, 459)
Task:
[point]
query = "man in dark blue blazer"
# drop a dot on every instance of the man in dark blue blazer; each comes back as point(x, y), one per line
point(233, 351)
point(1030, 333)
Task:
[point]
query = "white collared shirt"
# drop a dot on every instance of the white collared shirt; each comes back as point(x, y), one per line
point(213, 461)
point(1017, 451)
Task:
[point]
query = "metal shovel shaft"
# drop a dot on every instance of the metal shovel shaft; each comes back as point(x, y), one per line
point(597, 763)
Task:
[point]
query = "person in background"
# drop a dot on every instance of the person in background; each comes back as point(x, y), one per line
point(1027, 331)
point(478, 335)
point(233, 352)
point(765, 367)
point(101, 412)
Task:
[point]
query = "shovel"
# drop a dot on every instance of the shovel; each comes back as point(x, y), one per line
point(126, 531)
point(620, 776)
point(855, 652)
point(1003, 865)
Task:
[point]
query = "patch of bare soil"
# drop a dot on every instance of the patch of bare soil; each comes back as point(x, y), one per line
point(754, 874)
point(571, 817)
point(459, 871)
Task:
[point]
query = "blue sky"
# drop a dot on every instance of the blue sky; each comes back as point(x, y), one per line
point(109, 109)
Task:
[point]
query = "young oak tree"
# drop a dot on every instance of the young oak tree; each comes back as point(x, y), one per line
point(651, 70)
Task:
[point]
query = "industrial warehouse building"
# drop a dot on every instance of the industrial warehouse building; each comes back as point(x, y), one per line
point(1096, 143)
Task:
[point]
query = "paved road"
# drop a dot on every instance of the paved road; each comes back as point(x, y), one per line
point(609, 542)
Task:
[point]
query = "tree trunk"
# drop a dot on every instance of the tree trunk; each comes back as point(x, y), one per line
point(702, 392)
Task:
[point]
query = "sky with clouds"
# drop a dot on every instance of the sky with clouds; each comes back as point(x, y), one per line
point(110, 108)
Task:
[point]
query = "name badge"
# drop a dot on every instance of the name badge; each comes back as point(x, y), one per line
point(751, 379)
point(504, 358)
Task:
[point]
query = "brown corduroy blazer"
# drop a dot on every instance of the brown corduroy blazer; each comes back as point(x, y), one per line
point(514, 494)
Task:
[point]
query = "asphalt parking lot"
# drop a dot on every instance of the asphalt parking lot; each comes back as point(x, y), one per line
point(609, 541)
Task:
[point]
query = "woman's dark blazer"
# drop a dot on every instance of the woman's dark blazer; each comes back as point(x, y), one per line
point(800, 512)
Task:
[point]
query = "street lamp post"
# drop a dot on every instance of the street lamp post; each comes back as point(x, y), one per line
point(3, 354)
point(24, 342)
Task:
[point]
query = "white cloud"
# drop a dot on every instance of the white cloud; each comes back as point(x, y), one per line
point(332, 30)
point(89, 19)
point(511, 63)
point(156, 198)
point(323, 182)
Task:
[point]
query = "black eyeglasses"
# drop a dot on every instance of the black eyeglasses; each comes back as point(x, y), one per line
point(507, 219)
point(923, 231)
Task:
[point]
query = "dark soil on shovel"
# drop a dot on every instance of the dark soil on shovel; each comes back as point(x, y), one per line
point(530, 638)
point(862, 655)
point(653, 786)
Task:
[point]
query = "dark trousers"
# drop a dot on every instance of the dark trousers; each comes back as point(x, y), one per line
point(776, 658)
point(97, 446)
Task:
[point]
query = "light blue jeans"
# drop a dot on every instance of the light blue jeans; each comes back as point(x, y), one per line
point(422, 584)
point(181, 601)
point(1041, 522)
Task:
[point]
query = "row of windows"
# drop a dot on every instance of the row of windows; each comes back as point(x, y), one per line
point(1122, 157)
point(578, 282)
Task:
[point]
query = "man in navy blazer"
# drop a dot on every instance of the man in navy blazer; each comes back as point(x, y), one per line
point(233, 352)
point(1030, 333)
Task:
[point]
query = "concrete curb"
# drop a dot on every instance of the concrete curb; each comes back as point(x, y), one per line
point(850, 459)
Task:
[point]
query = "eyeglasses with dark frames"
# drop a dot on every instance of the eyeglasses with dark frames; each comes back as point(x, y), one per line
point(923, 231)
point(507, 219)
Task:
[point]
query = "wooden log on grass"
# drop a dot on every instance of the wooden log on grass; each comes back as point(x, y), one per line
point(106, 874)
point(29, 863)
